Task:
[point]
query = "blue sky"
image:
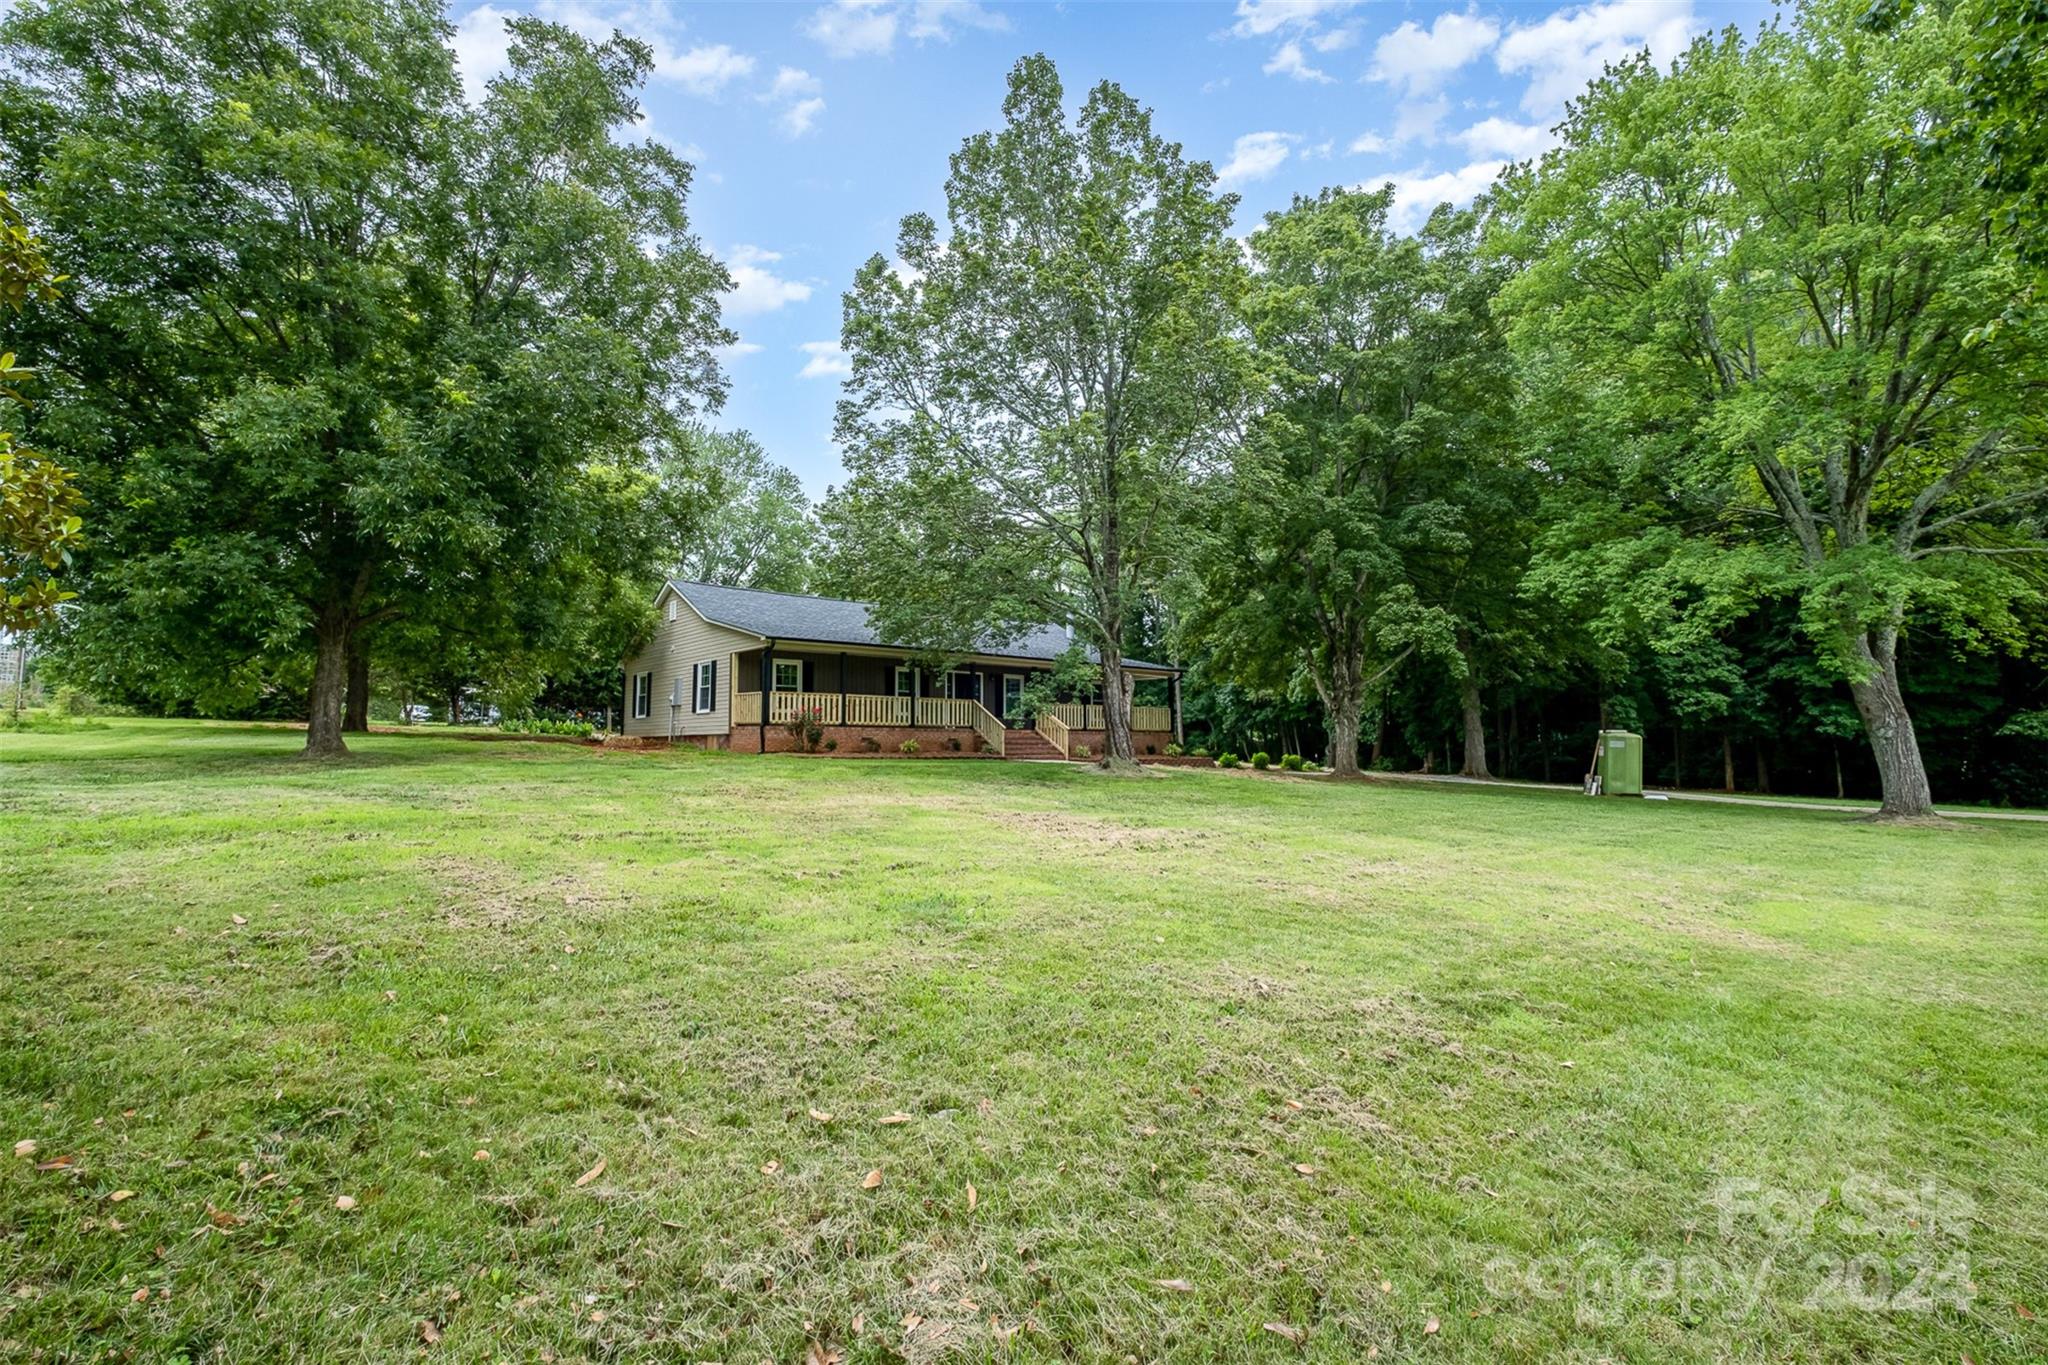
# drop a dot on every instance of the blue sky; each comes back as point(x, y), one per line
point(816, 126)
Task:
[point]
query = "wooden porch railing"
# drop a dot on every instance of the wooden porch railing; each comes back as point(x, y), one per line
point(1075, 716)
point(1056, 732)
point(987, 726)
point(939, 713)
point(787, 704)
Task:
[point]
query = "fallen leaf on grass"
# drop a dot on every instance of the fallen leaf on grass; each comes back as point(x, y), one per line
point(140, 1296)
point(2026, 1314)
point(1386, 1286)
point(770, 1167)
point(898, 1117)
point(1294, 1105)
point(25, 1147)
point(593, 1173)
point(55, 1163)
point(429, 1333)
point(239, 919)
point(820, 1115)
point(1430, 1328)
point(973, 1196)
point(345, 1202)
point(120, 1196)
point(819, 1354)
point(221, 1218)
point(859, 1321)
point(1177, 1286)
point(1303, 1168)
point(481, 1155)
point(873, 1179)
point(1281, 1329)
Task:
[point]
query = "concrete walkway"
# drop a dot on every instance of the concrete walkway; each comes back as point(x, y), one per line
point(1714, 798)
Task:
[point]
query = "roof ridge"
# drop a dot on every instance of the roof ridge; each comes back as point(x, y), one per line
point(768, 592)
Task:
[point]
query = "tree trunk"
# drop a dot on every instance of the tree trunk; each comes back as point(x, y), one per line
point(1379, 737)
point(1763, 770)
point(355, 716)
point(330, 679)
point(1117, 750)
point(1727, 761)
point(1475, 717)
point(1890, 728)
point(455, 704)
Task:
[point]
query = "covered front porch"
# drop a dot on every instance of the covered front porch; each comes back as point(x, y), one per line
point(878, 690)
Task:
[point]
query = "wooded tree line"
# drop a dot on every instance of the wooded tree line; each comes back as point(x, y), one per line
point(1722, 420)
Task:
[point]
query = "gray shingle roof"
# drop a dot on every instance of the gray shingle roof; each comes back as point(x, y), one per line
point(836, 621)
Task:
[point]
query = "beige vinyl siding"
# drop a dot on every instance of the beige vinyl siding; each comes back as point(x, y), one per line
point(672, 655)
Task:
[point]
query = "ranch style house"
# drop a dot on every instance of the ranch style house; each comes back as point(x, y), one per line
point(727, 668)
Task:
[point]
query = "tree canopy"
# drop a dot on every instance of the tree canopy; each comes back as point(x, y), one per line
point(343, 348)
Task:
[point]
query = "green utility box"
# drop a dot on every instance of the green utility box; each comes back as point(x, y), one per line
point(1621, 763)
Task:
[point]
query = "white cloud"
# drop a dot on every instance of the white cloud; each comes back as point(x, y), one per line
point(704, 70)
point(480, 47)
point(937, 18)
point(1418, 59)
point(1336, 40)
point(854, 28)
point(1257, 18)
point(793, 81)
point(738, 349)
point(756, 289)
point(481, 43)
point(1564, 51)
point(868, 28)
point(802, 98)
point(1416, 120)
point(1368, 143)
point(1254, 157)
point(797, 120)
point(827, 359)
point(1288, 61)
point(1504, 137)
point(1417, 193)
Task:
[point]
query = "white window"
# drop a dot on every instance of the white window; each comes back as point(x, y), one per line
point(960, 683)
point(707, 674)
point(643, 693)
point(674, 608)
point(906, 679)
point(1013, 695)
point(789, 675)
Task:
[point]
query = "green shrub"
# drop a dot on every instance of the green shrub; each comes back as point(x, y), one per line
point(1081, 751)
point(806, 725)
point(1227, 759)
point(1174, 751)
point(831, 745)
point(1262, 760)
point(909, 746)
point(542, 725)
point(70, 703)
point(1309, 765)
point(1200, 752)
point(1290, 763)
point(953, 743)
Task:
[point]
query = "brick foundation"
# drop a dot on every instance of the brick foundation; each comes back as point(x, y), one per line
point(931, 743)
point(1098, 740)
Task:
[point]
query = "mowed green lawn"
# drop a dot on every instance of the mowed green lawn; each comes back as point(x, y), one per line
point(1197, 1066)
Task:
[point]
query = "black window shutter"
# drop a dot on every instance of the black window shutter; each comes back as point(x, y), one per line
point(807, 675)
point(714, 684)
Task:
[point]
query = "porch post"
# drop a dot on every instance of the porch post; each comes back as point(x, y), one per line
point(842, 687)
point(767, 684)
point(1175, 694)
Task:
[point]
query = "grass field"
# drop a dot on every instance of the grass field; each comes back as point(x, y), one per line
point(1197, 1066)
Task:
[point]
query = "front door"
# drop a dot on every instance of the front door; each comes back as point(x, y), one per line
point(1013, 700)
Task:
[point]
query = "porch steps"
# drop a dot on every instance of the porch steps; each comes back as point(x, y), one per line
point(1028, 744)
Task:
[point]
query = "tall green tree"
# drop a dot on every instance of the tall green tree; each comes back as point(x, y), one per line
point(344, 348)
point(39, 498)
point(1763, 255)
point(733, 516)
point(1035, 385)
point(1344, 535)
